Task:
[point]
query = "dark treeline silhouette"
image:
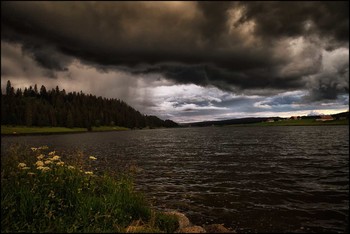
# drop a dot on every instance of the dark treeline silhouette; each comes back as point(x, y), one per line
point(55, 107)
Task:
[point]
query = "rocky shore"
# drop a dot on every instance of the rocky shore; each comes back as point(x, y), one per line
point(185, 226)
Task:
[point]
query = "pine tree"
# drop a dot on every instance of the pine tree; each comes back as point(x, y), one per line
point(26, 92)
point(69, 122)
point(19, 93)
point(58, 108)
point(28, 115)
point(43, 92)
point(36, 89)
point(8, 88)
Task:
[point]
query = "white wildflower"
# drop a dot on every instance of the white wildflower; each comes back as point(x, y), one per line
point(55, 158)
point(41, 156)
point(43, 168)
point(92, 158)
point(43, 147)
point(60, 163)
point(22, 165)
point(39, 163)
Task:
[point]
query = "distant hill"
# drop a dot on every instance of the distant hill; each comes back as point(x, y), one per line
point(231, 121)
point(256, 120)
point(336, 116)
point(56, 108)
point(341, 115)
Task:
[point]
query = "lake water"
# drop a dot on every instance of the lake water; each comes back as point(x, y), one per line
point(252, 179)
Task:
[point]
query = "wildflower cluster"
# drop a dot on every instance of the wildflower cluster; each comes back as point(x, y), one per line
point(34, 149)
point(23, 166)
point(50, 161)
point(45, 163)
point(41, 192)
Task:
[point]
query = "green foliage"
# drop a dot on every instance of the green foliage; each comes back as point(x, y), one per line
point(169, 223)
point(32, 130)
point(28, 115)
point(42, 193)
point(70, 122)
point(108, 128)
point(14, 130)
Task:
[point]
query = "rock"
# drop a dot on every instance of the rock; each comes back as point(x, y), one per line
point(192, 229)
point(185, 225)
point(135, 229)
point(216, 228)
point(183, 220)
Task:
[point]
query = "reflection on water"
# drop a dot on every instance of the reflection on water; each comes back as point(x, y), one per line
point(253, 179)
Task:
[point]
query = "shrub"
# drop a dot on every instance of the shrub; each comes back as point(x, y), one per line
point(169, 223)
point(42, 193)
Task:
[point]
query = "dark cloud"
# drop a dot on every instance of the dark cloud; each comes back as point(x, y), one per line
point(236, 46)
point(276, 19)
point(48, 57)
point(215, 17)
point(223, 78)
point(327, 88)
point(333, 80)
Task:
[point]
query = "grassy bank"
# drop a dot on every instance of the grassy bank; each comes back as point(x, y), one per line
point(301, 122)
point(108, 128)
point(22, 130)
point(42, 193)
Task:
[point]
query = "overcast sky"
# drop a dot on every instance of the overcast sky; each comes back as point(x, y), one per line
point(185, 61)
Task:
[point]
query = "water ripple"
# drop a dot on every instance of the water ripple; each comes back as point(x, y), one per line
point(256, 179)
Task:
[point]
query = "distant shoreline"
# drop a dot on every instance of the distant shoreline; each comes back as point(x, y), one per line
point(30, 131)
point(305, 122)
point(22, 130)
point(285, 122)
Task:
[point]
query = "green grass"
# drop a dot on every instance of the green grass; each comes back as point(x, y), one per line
point(302, 122)
point(18, 130)
point(33, 130)
point(108, 128)
point(69, 196)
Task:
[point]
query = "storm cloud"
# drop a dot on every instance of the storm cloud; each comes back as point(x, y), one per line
point(329, 19)
point(231, 45)
point(260, 49)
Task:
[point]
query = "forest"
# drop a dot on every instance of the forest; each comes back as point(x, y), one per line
point(57, 108)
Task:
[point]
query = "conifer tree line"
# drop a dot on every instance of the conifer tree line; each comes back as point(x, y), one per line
point(56, 108)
